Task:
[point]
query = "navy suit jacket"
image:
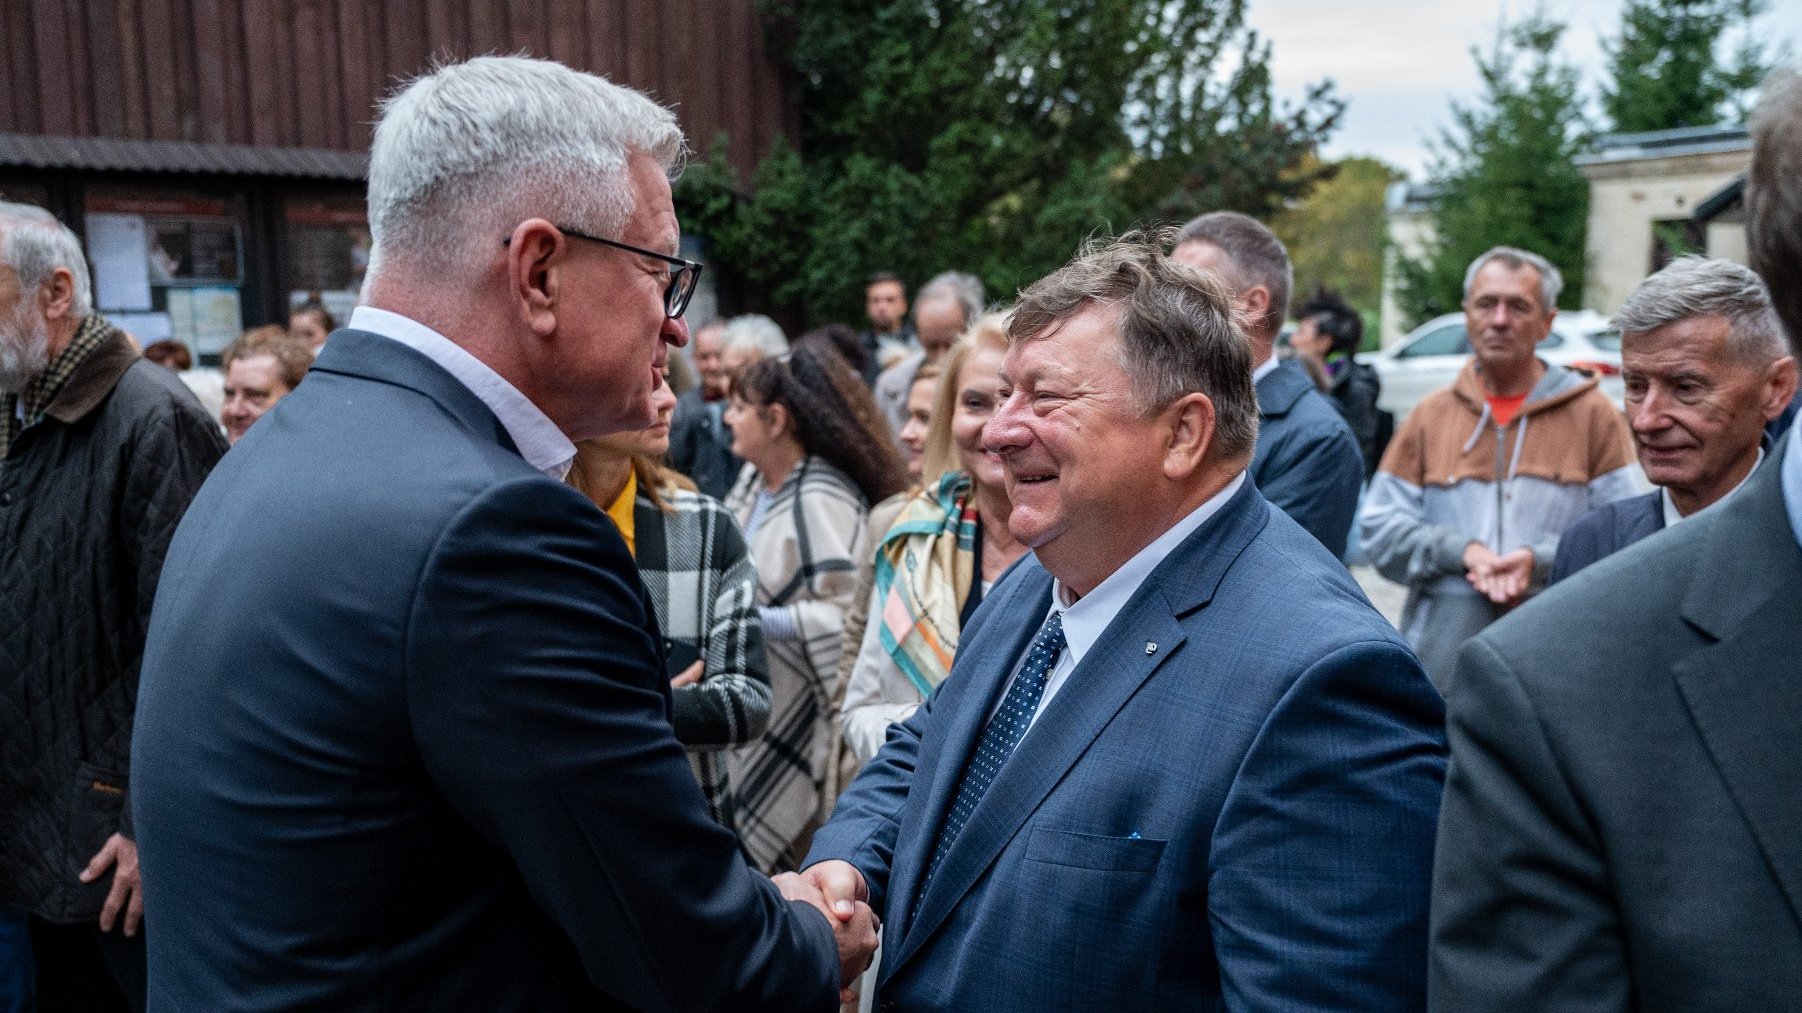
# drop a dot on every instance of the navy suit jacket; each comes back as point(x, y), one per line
point(1307, 460)
point(1230, 804)
point(1606, 530)
point(403, 725)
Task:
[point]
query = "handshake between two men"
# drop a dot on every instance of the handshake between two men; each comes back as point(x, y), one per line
point(838, 891)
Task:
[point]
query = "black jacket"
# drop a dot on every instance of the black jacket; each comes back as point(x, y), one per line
point(1355, 391)
point(89, 499)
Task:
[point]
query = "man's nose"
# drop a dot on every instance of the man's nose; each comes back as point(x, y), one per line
point(675, 331)
point(1647, 415)
point(1006, 429)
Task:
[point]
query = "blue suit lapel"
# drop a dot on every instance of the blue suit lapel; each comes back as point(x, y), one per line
point(1101, 685)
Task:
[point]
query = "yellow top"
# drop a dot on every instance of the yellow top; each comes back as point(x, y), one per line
point(621, 512)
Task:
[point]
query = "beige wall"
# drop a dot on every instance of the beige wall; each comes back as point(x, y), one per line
point(1625, 198)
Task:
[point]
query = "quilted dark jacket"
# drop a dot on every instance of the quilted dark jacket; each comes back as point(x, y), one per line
point(89, 499)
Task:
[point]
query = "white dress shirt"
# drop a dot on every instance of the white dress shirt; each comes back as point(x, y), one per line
point(539, 440)
point(1087, 618)
point(1672, 515)
point(1265, 368)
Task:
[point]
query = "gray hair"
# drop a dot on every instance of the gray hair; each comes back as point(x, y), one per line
point(964, 289)
point(1774, 196)
point(756, 331)
point(1179, 331)
point(1550, 281)
point(1256, 255)
point(36, 244)
point(467, 151)
point(1700, 287)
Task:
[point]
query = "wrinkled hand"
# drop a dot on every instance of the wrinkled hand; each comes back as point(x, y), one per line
point(1509, 577)
point(838, 891)
point(1502, 579)
point(120, 854)
point(689, 676)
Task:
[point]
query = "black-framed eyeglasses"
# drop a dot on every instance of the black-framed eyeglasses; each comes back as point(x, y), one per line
point(684, 274)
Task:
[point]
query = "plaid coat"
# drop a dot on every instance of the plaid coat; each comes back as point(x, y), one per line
point(805, 550)
point(703, 587)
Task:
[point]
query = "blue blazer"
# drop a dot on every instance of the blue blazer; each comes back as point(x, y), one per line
point(1229, 805)
point(1307, 460)
point(404, 730)
point(1607, 529)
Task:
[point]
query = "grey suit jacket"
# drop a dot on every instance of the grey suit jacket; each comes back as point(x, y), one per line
point(1622, 825)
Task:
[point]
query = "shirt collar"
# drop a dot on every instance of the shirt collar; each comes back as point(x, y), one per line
point(539, 440)
point(1088, 618)
point(1672, 516)
point(1265, 368)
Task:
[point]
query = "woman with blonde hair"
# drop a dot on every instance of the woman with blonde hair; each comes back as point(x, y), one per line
point(703, 589)
point(947, 547)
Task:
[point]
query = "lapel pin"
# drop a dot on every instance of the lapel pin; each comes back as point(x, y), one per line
point(1151, 647)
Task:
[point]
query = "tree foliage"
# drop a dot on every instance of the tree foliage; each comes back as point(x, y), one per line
point(1335, 234)
point(1667, 69)
point(1505, 172)
point(995, 135)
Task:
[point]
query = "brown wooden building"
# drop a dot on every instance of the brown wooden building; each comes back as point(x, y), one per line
point(211, 152)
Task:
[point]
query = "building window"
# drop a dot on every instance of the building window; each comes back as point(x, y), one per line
point(328, 250)
point(169, 264)
point(1673, 238)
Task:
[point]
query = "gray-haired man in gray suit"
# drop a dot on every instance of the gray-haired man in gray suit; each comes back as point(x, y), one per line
point(1622, 825)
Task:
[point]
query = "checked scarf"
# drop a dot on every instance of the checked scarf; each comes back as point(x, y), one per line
point(923, 571)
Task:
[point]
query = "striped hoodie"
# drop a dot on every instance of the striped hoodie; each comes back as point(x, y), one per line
point(1452, 476)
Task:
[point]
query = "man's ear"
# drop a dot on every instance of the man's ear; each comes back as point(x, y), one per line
point(57, 295)
point(537, 255)
point(1780, 386)
point(1191, 424)
point(1256, 300)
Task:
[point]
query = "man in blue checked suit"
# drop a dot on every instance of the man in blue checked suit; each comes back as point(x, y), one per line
point(1180, 763)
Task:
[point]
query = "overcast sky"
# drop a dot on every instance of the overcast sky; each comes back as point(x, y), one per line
point(1398, 63)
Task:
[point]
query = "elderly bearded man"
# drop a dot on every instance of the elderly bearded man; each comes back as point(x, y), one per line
point(434, 769)
point(1145, 785)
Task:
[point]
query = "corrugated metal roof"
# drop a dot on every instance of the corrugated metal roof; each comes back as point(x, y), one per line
point(121, 155)
point(1668, 144)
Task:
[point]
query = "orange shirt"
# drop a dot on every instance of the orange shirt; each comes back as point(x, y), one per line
point(1504, 409)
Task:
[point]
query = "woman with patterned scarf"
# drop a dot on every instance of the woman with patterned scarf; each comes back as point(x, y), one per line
point(941, 555)
point(817, 454)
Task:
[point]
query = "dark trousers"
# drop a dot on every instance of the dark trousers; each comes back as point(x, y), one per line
point(15, 963)
point(81, 969)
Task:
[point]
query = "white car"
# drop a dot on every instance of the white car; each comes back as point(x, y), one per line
point(1431, 355)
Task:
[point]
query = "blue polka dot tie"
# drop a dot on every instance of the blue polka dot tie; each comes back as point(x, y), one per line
point(1003, 733)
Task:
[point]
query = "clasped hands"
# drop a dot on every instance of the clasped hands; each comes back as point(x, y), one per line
point(838, 890)
point(1504, 578)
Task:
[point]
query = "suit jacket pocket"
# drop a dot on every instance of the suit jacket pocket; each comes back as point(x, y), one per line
point(1092, 851)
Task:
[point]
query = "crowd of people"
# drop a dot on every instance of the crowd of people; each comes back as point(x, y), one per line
point(456, 659)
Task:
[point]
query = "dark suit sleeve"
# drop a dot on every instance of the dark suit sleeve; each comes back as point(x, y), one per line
point(1522, 914)
point(1313, 475)
point(866, 820)
point(1323, 853)
point(536, 694)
